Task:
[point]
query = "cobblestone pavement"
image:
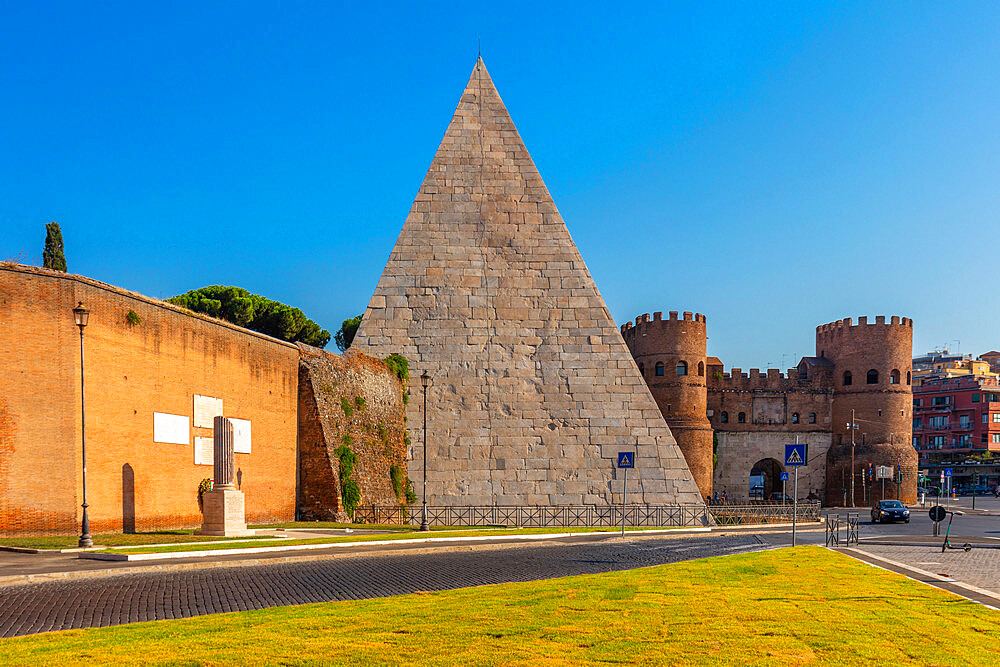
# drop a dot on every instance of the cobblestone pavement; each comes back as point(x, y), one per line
point(979, 567)
point(131, 598)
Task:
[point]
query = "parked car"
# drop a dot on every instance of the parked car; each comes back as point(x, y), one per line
point(756, 493)
point(981, 490)
point(890, 510)
point(781, 497)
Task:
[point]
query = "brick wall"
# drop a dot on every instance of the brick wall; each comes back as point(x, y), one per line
point(132, 371)
point(374, 398)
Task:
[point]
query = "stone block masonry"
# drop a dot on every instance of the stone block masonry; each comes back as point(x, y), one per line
point(534, 391)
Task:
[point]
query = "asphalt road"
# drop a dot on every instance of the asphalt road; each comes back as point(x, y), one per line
point(131, 598)
point(981, 525)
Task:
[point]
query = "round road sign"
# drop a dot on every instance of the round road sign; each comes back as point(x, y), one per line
point(937, 513)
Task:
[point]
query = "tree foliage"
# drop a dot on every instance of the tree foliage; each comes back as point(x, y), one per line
point(52, 255)
point(348, 329)
point(237, 305)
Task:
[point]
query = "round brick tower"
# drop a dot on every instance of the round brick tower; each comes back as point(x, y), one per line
point(872, 366)
point(671, 356)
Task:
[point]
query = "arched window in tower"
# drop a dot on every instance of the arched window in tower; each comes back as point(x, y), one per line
point(659, 368)
point(741, 418)
point(848, 379)
point(724, 418)
point(682, 368)
point(872, 377)
point(701, 369)
point(795, 417)
point(907, 377)
point(642, 369)
point(812, 417)
point(894, 377)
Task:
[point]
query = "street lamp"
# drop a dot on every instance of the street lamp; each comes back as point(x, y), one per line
point(81, 315)
point(425, 381)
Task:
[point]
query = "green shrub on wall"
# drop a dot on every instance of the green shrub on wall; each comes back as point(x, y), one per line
point(346, 406)
point(399, 366)
point(349, 490)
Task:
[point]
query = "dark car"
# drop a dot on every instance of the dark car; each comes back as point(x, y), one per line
point(781, 498)
point(890, 510)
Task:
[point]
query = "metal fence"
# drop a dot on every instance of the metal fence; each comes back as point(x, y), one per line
point(726, 514)
point(841, 531)
point(584, 515)
point(538, 516)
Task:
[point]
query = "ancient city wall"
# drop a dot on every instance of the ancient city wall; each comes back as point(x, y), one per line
point(356, 401)
point(738, 452)
point(143, 356)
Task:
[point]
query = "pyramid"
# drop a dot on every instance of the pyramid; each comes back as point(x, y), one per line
point(533, 391)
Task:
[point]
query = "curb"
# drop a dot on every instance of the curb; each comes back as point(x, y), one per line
point(886, 543)
point(862, 556)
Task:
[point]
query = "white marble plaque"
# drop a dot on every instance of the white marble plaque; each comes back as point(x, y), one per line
point(241, 435)
point(204, 451)
point(172, 429)
point(206, 409)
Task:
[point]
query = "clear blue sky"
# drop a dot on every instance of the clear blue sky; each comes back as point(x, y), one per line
point(774, 166)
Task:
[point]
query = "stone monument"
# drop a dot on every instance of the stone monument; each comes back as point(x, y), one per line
point(534, 393)
point(224, 512)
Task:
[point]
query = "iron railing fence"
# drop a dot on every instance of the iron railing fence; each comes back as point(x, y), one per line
point(841, 530)
point(589, 516)
point(727, 514)
point(528, 516)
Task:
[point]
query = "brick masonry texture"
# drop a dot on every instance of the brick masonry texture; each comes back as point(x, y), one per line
point(534, 391)
point(132, 371)
point(377, 432)
point(811, 402)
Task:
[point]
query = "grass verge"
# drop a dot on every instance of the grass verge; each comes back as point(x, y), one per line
point(111, 539)
point(368, 537)
point(802, 606)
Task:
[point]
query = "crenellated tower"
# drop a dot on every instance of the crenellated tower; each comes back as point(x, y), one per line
point(871, 375)
point(671, 355)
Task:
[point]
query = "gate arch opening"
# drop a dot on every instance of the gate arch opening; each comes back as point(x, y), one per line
point(765, 479)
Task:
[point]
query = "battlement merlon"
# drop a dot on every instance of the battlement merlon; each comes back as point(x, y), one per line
point(771, 378)
point(672, 316)
point(846, 324)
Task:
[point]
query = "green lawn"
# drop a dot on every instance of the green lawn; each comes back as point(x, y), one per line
point(111, 539)
point(368, 537)
point(781, 607)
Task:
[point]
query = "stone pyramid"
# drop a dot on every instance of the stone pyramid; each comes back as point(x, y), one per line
point(533, 390)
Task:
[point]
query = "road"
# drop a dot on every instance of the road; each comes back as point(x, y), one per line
point(130, 598)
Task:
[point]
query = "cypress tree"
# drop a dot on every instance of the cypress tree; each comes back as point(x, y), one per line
point(52, 255)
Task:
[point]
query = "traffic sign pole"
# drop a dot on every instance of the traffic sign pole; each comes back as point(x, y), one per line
point(624, 491)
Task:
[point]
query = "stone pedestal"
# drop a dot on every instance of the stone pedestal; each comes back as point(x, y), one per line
point(224, 514)
point(222, 508)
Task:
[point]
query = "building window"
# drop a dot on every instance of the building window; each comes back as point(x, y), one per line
point(848, 380)
point(938, 422)
point(984, 438)
point(795, 417)
point(701, 369)
point(975, 398)
point(985, 417)
point(996, 417)
point(741, 418)
point(682, 368)
point(659, 368)
point(937, 441)
point(995, 438)
point(964, 421)
point(907, 377)
point(916, 442)
point(917, 402)
point(917, 421)
point(872, 377)
point(724, 418)
point(894, 377)
point(941, 400)
point(812, 417)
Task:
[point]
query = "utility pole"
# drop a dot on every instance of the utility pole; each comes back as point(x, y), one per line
point(853, 426)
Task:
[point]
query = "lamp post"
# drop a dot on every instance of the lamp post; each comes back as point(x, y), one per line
point(81, 315)
point(425, 380)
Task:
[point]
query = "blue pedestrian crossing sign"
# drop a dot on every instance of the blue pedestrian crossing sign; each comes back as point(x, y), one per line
point(795, 455)
point(784, 477)
point(626, 460)
point(947, 472)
